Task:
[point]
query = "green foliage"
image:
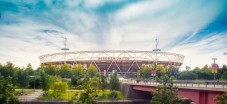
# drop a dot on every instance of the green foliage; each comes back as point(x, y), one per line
point(221, 99)
point(103, 83)
point(224, 75)
point(187, 75)
point(166, 93)
point(7, 92)
point(44, 81)
point(113, 95)
point(145, 72)
point(78, 72)
point(85, 98)
point(29, 70)
point(114, 82)
point(50, 69)
point(23, 79)
point(65, 71)
point(92, 71)
point(59, 88)
point(160, 70)
point(94, 84)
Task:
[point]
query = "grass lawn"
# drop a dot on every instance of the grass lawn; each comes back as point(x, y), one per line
point(71, 93)
point(20, 92)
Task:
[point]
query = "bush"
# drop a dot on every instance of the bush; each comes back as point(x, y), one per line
point(113, 95)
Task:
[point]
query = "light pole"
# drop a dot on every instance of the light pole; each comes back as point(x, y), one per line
point(214, 68)
point(156, 56)
point(156, 51)
point(65, 49)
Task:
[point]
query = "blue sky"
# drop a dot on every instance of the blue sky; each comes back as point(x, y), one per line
point(194, 28)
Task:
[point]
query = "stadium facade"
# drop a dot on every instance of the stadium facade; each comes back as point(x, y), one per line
point(124, 61)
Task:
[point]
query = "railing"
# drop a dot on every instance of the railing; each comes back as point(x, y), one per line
point(217, 84)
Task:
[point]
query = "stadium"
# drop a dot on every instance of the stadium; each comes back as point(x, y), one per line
point(124, 61)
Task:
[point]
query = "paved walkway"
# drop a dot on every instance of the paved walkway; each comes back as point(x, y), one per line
point(30, 97)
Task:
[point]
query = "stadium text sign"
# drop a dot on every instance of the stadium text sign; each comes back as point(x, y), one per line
point(113, 58)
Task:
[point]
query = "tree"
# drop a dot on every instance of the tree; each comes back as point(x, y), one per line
point(22, 79)
point(221, 99)
point(224, 75)
point(165, 93)
point(77, 75)
point(92, 71)
point(7, 92)
point(29, 70)
point(94, 85)
point(65, 71)
point(50, 69)
point(44, 82)
point(187, 75)
point(114, 82)
point(59, 88)
point(103, 83)
point(160, 70)
point(145, 72)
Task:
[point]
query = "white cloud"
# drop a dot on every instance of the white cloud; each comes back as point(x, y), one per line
point(200, 53)
point(132, 28)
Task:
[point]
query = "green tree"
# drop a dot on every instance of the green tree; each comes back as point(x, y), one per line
point(94, 84)
point(7, 92)
point(44, 82)
point(103, 83)
point(23, 79)
point(160, 70)
point(78, 72)
point(50, 69)
point(92, 71)
point(114, 82)
point(65, 71)
point(221, 99)
point(166, 93)
point(145, 72)
point(29, 70)
point(59, 88)
point(224, 75)
point(187, 75)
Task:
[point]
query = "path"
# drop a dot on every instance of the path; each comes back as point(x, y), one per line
point(30, 97)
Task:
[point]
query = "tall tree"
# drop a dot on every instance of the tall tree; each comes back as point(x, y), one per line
point(114, 81)
point(92, 71)
point(103, 83)
point(44, 82)
point(29, 70)
point(78, 72)
point(166, 93)
point(23, 79)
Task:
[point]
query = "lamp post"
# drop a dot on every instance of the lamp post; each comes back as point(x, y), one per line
point(156, 52)
point(156, 56)
point(214, 67)
point(65, 49)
